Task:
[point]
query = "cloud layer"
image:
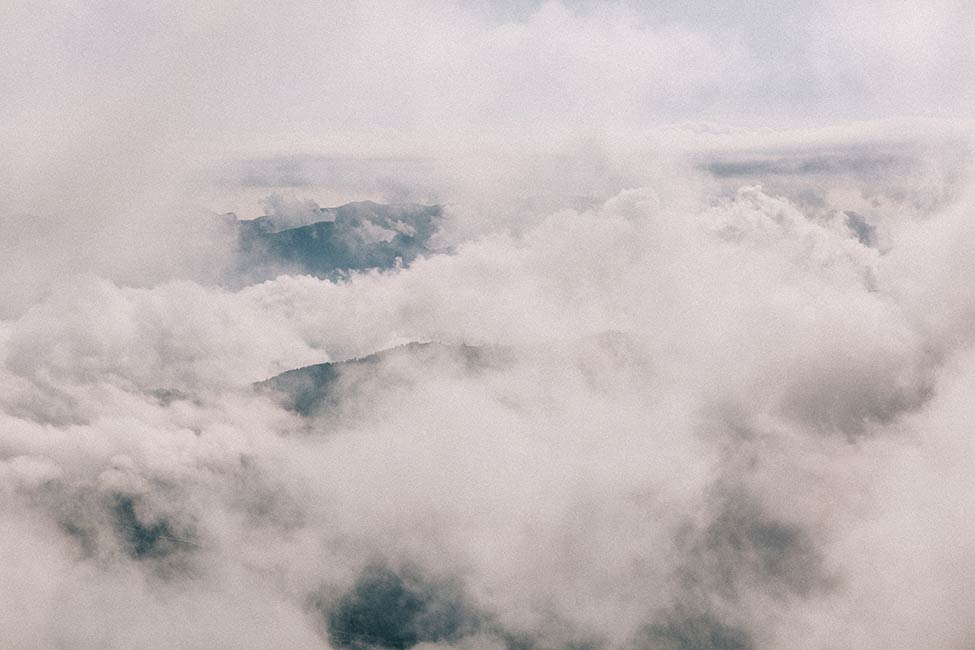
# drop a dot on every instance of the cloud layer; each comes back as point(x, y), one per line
point(685, 363)
point(685, 429)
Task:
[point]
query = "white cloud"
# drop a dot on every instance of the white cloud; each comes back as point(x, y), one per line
point(700, 406)
point(756, 344)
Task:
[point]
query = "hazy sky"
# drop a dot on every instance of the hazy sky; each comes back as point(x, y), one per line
point(112, 98)
point(399, 77)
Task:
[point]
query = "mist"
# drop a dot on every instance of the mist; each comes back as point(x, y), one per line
point(528, 326)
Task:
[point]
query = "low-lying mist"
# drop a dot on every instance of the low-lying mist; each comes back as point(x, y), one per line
point(687, 417)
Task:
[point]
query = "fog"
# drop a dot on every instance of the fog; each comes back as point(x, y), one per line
point(682, 362)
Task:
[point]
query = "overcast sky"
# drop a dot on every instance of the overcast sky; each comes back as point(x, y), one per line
point(157, 99)
point(435, 77)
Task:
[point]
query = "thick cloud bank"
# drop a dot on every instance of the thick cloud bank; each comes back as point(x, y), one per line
point(633, 328)
point(639, 426)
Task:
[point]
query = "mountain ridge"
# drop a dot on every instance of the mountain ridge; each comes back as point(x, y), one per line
point(357, 236)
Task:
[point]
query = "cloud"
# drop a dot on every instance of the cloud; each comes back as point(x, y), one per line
point(290, 213)
point(695, 478)
point(689, 355)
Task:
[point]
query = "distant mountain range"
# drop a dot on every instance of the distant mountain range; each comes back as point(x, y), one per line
point(330, 242)
point(306, 390)
point(316, 389)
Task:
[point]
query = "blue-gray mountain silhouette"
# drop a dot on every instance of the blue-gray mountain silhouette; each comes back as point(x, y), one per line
point(316, 388)
point(353, 237)
point(307, 390)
